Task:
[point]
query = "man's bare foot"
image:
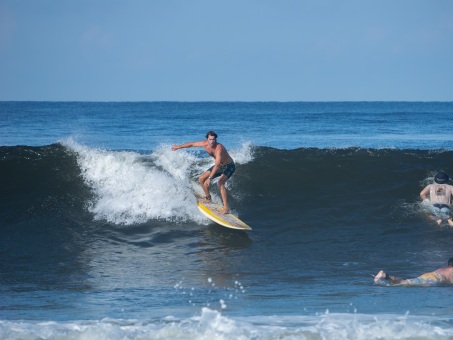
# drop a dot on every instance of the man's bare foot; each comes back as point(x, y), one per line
point(450, 222)
point(207, 199)
point(380, 275)
point(225, 211)
point(439, 221)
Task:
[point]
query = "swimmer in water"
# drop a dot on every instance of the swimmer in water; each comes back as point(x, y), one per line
point(440, 194)
point(441, 276)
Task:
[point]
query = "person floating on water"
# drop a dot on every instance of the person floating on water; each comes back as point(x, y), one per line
point(224, 166)
point(441, 276)
point(440, 194)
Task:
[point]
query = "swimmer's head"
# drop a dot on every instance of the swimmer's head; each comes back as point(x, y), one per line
point(441, 178)
point(450, 262)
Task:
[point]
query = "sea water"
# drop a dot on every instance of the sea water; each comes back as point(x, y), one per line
point(101, 237)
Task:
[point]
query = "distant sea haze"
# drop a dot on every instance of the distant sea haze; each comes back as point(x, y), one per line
point(283, 125)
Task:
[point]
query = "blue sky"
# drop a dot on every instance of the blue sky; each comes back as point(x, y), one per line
point(210, 50)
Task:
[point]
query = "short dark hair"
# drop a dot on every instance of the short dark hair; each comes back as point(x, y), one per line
point(450, 262)
point(211, 133)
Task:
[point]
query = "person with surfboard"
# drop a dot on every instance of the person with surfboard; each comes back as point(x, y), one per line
point(223, 167)
point(440, 194)
point(441, 276)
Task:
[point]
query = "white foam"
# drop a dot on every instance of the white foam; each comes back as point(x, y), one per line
point(131, 188)
point(211, 324)
point(244, 154)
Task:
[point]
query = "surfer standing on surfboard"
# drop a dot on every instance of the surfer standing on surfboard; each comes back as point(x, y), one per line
point(224, 166)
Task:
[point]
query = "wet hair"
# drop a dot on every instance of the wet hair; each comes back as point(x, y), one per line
point(211, 133)
point(450, 262)
point(441, 178)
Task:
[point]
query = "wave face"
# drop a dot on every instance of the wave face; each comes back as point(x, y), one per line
point(81, 226)
point(125, 187)
point(40, 182)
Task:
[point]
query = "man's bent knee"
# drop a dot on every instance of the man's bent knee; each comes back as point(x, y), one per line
point(222, 181)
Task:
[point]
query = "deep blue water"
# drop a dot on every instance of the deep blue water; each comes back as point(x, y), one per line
point(143, 126)
point(101, 237)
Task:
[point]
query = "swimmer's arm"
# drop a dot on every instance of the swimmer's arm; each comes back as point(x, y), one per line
point(424, 192)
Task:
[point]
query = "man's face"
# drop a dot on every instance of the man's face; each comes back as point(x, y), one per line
point(211, 140)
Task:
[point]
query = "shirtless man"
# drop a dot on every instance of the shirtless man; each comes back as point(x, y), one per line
point(440, 194)
point(224, 166)
point(441, 276)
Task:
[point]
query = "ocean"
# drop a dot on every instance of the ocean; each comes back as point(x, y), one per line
point(101, 237)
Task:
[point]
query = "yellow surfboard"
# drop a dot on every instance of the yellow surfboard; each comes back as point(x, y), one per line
point(213, 212)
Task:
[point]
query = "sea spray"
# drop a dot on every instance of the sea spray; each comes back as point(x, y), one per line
point(129, 189)
point(132, 188)
point(211, 324)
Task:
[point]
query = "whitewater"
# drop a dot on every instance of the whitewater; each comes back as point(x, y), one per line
point(101, 237)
